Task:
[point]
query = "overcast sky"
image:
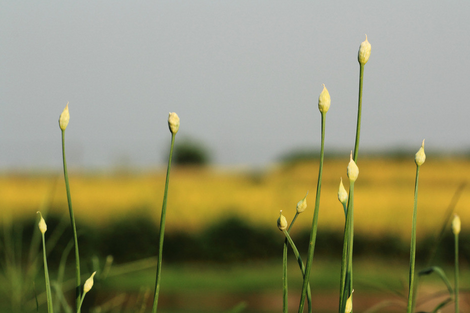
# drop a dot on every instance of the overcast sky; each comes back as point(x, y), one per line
point(244, 77)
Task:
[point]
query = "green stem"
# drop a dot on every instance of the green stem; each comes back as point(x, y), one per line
point(285, 292)
point(456, 268)
point(74, 228)
point(413, 247)
point(302, 268)
point(162, 228)
point(81, 302)
point(313, 233)
point(359, 112)
point(284, 269)
point(46, 274)
point(346, 283)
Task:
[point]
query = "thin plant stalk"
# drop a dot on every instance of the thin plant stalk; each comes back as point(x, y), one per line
point(46, 275)
point(359, 112)
point(74, 228)
point(413, 247)
point(301, 265)
point(162, 228)
point(313, 232)
point(346, 282)
point(456, 273)
point(285, 293)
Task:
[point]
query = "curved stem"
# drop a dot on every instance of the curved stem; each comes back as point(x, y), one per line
point(302, 268)
point(162, 228)
point(74, 228)
point(313, 232)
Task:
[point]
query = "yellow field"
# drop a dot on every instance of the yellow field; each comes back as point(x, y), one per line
point(198, 197)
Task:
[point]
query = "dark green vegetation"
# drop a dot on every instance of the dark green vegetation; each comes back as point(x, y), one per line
point(229, 263)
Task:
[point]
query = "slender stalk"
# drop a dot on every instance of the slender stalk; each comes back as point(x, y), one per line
point(285, 293)
point(313, 233)
point(346, 282)
point(81, 302)
point(302, 268)
point(456, 268)
point(46, 274)
point(74, 228)
point(359, 112)
point(162, 228)
point(413, 247)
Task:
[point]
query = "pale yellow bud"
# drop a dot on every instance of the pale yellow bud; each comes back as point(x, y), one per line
point(42, 224)
point(364, 52)
point(88, 283)
point(420, 156)
point(302, 204)
point(353, 170)
point(456, 225)
point(281, 222)
point(64, 118)
point(342, 193)
point(324, 100)
point(173, 122)
point(349, 305)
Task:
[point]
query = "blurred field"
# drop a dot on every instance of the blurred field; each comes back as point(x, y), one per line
point(200, 196)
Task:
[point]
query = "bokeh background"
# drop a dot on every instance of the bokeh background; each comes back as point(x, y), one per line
point(244, 77)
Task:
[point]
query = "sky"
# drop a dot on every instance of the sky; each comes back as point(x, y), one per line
point(243, 76)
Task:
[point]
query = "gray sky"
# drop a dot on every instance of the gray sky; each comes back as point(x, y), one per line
point(244, 77)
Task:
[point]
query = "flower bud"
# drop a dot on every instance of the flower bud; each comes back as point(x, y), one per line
point(64, 118)
point(364, 52)
point(420, 156)
point(348, 308)
point(353, 170)
point(324, 100)
point(281, 222)
point(456, 225)
point(173, 122)
point(342, 193)
point(302, 204)
point(42, 224)
point(88, 283)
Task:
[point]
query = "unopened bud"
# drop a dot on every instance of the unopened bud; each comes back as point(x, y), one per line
point(302, 204)
point(281, 222)
point(456, 225)
point(364, 52)
point(420, 156)
point(173, 122)
point(349, 305)
point(342, 193)
point(64, 118)
point(88, 283)
point(353, 170)
point(42, 224)
point(324, 100)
